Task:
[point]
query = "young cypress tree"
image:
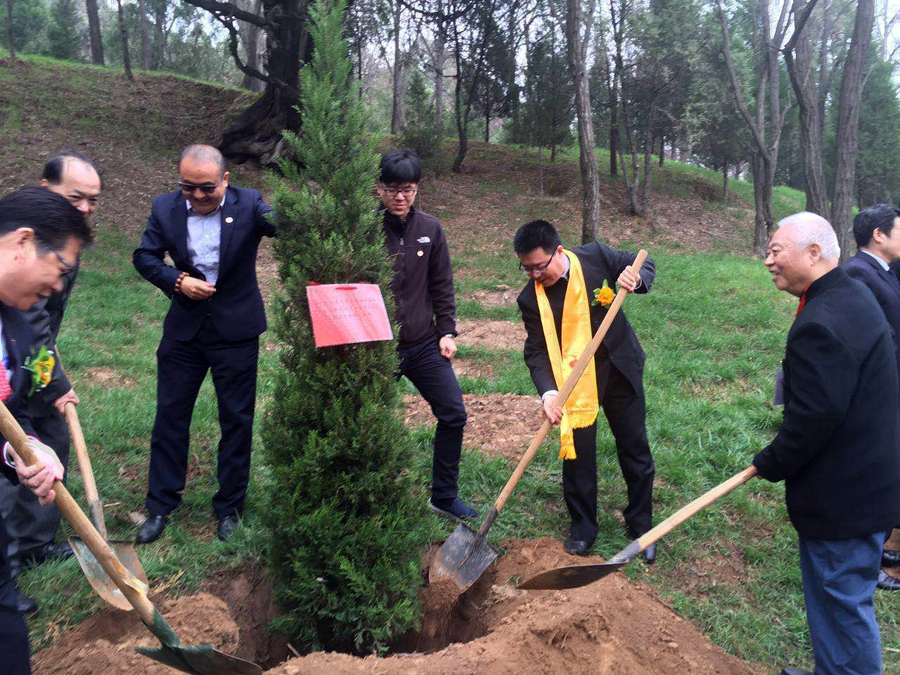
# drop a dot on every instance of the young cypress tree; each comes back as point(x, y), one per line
point(343, 521)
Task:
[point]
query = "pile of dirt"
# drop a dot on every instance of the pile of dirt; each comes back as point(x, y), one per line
point(498, 424)
point(614, 626)
point(507, 335)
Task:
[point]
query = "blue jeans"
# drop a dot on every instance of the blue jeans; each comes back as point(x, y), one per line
point(838, 585)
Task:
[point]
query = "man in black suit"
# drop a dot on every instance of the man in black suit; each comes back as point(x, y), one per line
point(837, 447)
point(41, 236)
point(212, 233)
point(30, 526)
point(878, 239)
point(619, 366)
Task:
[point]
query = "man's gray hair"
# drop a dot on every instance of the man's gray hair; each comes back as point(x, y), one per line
point(203, 153)
point(811, 228)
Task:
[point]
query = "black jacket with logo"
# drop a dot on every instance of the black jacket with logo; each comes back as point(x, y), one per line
point(423, 278)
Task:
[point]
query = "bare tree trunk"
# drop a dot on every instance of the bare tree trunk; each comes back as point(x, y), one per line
point(847, 139)
point(799, 69)
point(9, 30)
point(159, 37)
point(725, 180)
point(577, 43)
point(94, 29)
point(145, 35)
point(662, 149)
point(541, 164)
point(613, 129)
point(397, 93)
point(648, 169)
point(123, 31)
point(440, 54)
point(250, 38)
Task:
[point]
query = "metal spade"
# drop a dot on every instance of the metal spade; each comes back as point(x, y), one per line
point(466, 554)
point(575, 576)
point(123, 550)
point(202, 660)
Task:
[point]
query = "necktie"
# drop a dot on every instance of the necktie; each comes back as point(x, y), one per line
point(801, 305)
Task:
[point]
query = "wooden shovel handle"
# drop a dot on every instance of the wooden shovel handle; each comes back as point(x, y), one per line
point(126, 582)
point(87, 472)
point(569, 385)
point(695, 506)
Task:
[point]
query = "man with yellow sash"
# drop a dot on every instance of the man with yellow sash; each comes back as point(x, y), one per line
point(562, 305)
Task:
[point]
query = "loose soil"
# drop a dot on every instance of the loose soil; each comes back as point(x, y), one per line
point(103, 376)
point(498, 424)
point(615, 626)
point(473, 369)
point(506, 335)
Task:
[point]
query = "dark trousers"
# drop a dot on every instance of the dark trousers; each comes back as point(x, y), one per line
point(181, 368)
point(13, 640)
point(433, 376)
point(838, 585)
point(29, 525)
point(626, 412)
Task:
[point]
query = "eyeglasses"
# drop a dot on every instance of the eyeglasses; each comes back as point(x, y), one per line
point(68, 267)
point(540, 269)
point(206, 188)
point(393, 192)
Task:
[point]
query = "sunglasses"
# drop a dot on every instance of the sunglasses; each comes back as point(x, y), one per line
point(206, 188)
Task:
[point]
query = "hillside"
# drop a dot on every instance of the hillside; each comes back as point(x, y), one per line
point(713, 329)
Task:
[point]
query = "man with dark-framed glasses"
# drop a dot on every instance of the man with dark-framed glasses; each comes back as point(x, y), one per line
point(32, 528)
point(212, 233)
point(563, 303)
point(426, 311)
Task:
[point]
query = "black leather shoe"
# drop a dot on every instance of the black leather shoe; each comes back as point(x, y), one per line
point(577, 546)
point(454, 509)
point(795, 671)
point(649, 554)
point(886, 582)
point(151, 529)
point(24, 605)
point(227, 526)
point(56, 551)
point(890, 558)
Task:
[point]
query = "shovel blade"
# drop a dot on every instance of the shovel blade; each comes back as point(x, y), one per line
point(99, 579)
point(202, 660)
point(463, 558)
point(570, 577)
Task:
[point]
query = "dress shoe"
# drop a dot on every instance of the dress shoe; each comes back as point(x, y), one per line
point(890, 558)
point(55, 551)
point(151, 529)
point(577, 546)
point(795, 671)
point(454, 509)
point(649, 554)
point(227, 526)
point(24, 605)
point(886, 582)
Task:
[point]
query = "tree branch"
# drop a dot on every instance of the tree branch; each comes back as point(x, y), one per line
point(227, 9)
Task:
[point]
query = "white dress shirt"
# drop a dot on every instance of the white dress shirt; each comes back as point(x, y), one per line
point(204, 237)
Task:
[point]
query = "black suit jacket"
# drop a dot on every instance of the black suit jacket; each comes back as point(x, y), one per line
point(884, 286)
point(598, 263)
point(838, 448)
point(18, 339)
point(236, 307)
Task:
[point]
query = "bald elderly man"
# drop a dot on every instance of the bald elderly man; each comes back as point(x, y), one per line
point(212, 232)
point(31, 527)
point(836, 448)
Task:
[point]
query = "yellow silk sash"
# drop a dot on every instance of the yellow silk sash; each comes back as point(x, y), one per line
point(583, 404)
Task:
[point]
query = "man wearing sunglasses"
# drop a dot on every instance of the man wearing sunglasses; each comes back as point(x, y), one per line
point(212, 232)
point(426, 311)
point(32, 528)
point(562, 305)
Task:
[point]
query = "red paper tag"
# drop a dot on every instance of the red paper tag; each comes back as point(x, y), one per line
point(347, 313)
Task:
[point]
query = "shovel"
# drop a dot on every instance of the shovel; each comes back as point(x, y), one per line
point(202, 660)
point(123, 550)
point(582, 575)
point(466, 554)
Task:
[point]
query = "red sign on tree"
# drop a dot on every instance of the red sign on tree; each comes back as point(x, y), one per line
point(347, 313)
